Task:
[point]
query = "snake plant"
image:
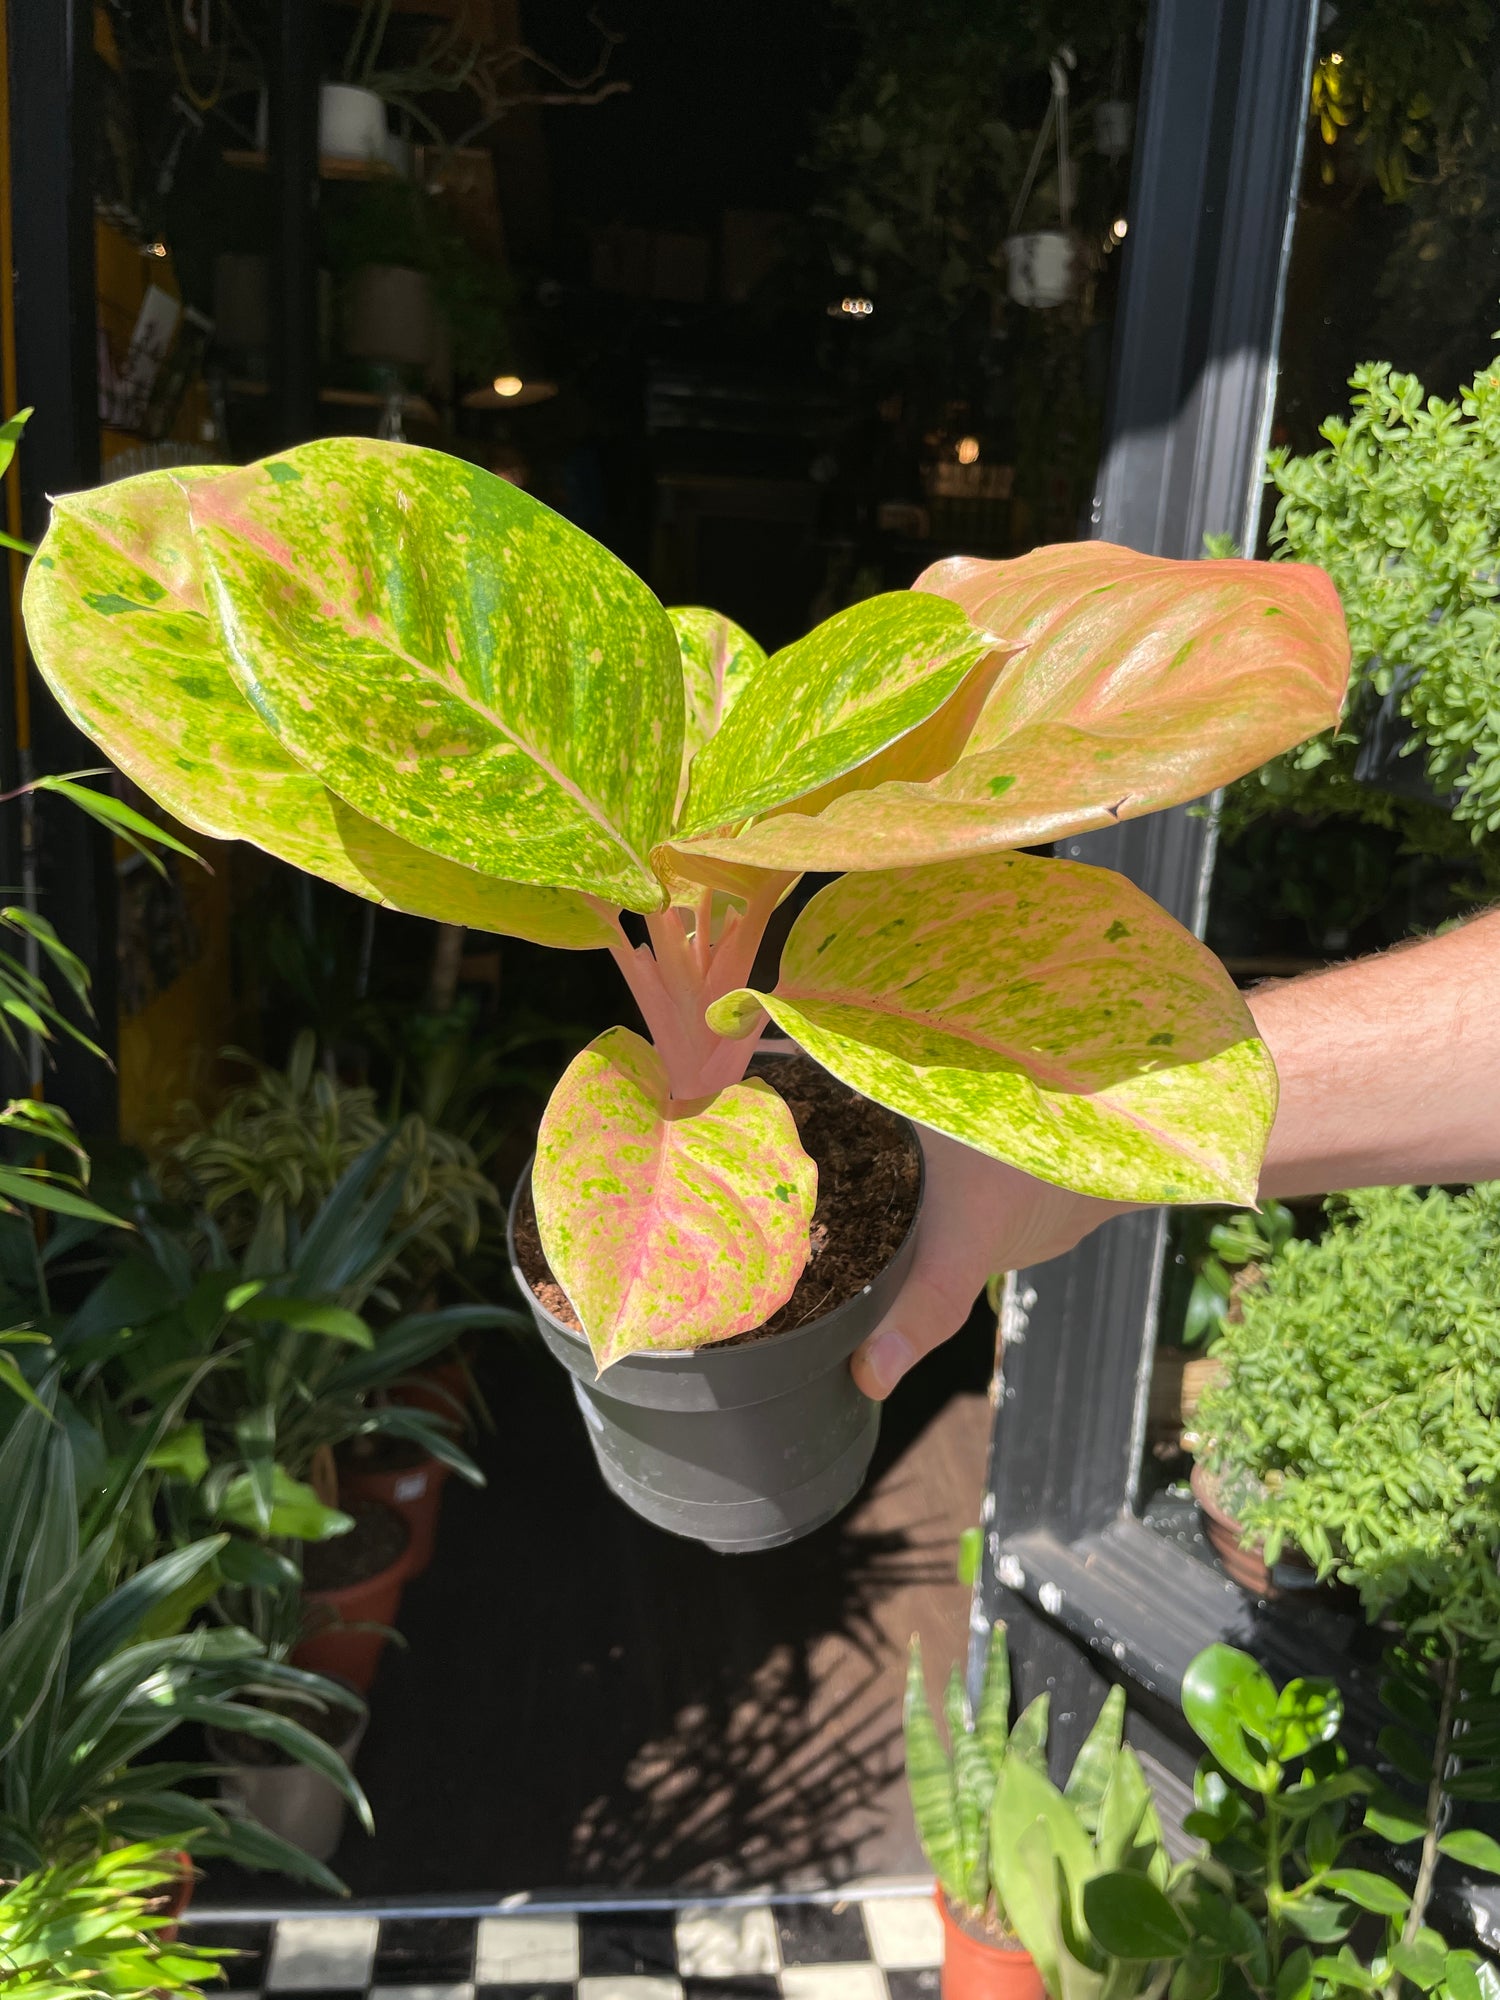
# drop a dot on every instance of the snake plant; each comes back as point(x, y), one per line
point(411, 678)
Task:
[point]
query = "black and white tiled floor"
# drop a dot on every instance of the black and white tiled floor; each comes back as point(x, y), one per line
point(884, 1947)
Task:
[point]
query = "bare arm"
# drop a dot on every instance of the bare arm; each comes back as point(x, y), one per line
point(1390, 1072)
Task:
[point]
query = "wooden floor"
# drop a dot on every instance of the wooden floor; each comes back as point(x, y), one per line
point(587, 1701)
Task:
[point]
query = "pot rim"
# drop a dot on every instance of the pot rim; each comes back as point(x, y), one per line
point(713, 1351)
point(1011, 1948)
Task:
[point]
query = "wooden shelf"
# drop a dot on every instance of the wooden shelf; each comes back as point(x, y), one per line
point(331, 166)
point(348, 399)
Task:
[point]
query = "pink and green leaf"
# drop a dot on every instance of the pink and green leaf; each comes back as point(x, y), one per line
point(825, 705)
point(668, 1224)
point(1046, 1013)
point(456, 661)
point(1138, 682)
point(124, 634)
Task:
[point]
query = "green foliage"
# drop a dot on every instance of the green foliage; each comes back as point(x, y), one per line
point(1011, 1852)
point(1222, 1252)
point(262, 1164)
point(1361, 1387)
point(96, 1674)
point(1268, 1909)
point(1401, 509)
point(93, 1930)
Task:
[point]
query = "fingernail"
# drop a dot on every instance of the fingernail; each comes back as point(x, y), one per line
point(884, 1360)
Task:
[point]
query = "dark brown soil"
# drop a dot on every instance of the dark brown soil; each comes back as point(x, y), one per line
point(331, 1725)
point(869, 1179)
point(377, 1539)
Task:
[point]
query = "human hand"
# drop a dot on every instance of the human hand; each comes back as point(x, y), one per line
point(979, 1217)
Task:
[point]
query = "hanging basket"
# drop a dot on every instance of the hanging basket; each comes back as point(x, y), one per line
point(1042, 264)
point(1040, 267)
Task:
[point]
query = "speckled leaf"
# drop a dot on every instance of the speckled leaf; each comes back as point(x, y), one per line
point(718, 657)
point(454, 659)
point(121, 630)
point(1044, 1012)
point(668, 1224)
point(824, 706)
point(1140, 682)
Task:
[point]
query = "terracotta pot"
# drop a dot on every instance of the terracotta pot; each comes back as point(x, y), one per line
point(975, 1969)
point(415, 1492)
point(176, 1891)
point(353, 1655)
point(1246, 1566)
point(442, 1387)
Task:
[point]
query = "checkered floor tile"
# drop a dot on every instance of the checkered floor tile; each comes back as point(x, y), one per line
point(885, 1948)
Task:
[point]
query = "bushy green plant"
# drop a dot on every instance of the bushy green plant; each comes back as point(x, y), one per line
point(1402, 508)
point(94, 1930)
point(1360, 1391)
point(409, 677)
point(264, 1162)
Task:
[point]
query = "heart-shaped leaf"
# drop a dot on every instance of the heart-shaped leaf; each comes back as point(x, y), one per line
point(668, 1224)
point(824, 706)
point(1139, 682)
point(122, 630)
point(718, 658)
point(457, 661)
point(1224, 1692)
point(1044, 1012)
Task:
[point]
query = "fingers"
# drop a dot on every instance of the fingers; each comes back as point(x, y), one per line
point(923, 1317)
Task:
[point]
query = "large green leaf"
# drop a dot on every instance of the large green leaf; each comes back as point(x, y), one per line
point(1047, 1013)
point(1139, 682)
point(823, 706)
point(668, 1224)
point(455, 660)
point(121, 628)
point(1224, 1693)
point(718, 657)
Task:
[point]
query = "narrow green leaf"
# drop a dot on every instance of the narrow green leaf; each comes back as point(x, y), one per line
point(1370, 1891)
point(929, 1777)
point(992, 1718)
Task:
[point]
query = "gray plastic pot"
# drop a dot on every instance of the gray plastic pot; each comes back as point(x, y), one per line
point(742, 1448)
point(289, 1799)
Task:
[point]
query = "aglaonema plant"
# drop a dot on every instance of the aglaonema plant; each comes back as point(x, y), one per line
point(407, 676)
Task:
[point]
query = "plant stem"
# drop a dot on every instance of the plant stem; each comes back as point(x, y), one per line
point(1273, 1877)
point(1442, 1747)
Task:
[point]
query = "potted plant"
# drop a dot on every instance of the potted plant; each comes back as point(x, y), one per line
point(121, 1668)
point(412, 678)
point(1360, 1381)
point(1014, 1855)
point(1277, 1900)
point(952, 1791)
point(95, 1928)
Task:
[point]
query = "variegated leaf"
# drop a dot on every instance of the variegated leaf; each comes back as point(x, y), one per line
point(121, 630)
point(454, 659)
point(668, 1224)
point(824, 706)
point(1140, 682)
point(1044, 1012)
point(718, 657)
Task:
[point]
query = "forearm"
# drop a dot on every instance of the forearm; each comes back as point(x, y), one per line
point(1389, 1067)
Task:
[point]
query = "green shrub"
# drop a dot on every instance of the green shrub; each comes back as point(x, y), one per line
point(1361, 1389)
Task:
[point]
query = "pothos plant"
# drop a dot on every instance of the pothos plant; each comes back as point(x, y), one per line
point(409, 677)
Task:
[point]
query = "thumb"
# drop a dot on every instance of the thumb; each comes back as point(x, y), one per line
point(923, 1317)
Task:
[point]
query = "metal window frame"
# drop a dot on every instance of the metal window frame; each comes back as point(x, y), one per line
point(1089, 1593)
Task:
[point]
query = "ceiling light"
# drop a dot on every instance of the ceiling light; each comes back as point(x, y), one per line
point(1119, 229)
point(508, 385)
point(968, 451)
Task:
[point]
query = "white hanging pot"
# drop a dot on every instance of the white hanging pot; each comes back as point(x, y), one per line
point(1114, 127)
point(1039, 267)
point(351, 123)
point(389, 316)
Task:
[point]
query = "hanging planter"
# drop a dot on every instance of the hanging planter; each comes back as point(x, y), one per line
point(1114, 127)
point(1042, 264)
point(351, 123)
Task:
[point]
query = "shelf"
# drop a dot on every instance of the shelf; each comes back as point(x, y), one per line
point(348, 399)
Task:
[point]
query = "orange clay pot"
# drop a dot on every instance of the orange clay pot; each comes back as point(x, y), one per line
point(974, 1969)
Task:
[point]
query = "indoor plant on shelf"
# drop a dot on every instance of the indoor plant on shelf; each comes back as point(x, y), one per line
point(412, 678)
point(1013, 1854)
